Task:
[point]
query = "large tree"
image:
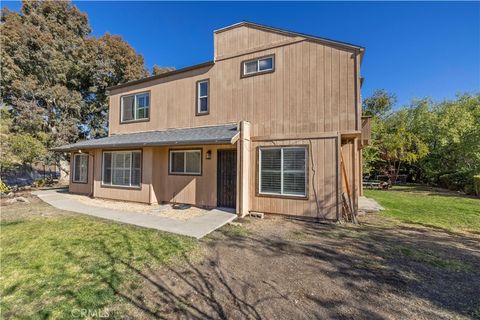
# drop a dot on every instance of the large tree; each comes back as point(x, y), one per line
point(435, 142)
point(55, 74)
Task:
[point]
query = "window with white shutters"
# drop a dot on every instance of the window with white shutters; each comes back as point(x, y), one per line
point(122, 168)
point(283, 171)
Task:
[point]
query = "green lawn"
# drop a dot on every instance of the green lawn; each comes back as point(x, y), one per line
point(430, 207)
point(53, 264)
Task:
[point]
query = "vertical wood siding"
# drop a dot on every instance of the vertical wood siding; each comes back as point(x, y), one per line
point(311, 90)
point(323, 181)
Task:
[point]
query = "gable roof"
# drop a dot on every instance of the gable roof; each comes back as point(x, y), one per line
point(290, 33)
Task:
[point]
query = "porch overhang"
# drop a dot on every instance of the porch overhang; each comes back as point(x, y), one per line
point(220, 134)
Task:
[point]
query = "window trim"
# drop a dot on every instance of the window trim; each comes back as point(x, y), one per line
point(283, 196)
point(197, 97)
point(135, 101)
point(114, 186)
point(244, 62)
point(73, 167)
point(170, 151)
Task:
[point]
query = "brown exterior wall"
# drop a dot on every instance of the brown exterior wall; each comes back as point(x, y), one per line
point(313, 89)
point(142, 194)
point(81, 188)
point(197, 190)
point(351, 155)
point(323, 181)
point(157, 184)
point(241, 39)
point(311, 98)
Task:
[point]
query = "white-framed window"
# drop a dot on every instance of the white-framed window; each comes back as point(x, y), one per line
point(188, 162)
point(80, 168)
point(135, 107)
point(260, 65)
point(122, 168)
point(283, 171)
point(203, 91)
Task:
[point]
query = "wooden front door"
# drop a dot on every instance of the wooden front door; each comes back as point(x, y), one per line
point(227, 178)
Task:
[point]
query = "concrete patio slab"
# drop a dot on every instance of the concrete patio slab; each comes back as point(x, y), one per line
point(196, 227)
point(368, 205)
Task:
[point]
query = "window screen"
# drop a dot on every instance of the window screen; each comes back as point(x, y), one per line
point(135, 107)
point(80, 168)
point(283, 171)
point(185, 162)
point(122, 168)
point(258, 66)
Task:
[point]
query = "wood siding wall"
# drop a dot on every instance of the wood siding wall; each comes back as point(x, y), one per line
point(157, 185)
point(312, 95)
point(241, 39)
point(81, 188)
point(197, 190)
point(311, 90)
point(323, 181)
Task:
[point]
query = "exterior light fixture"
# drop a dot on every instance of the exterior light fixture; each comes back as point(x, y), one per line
point(209, 154)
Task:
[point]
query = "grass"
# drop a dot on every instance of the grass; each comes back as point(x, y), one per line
point(430, 207)
point(53, 264)
point(234, 231)
point(429, 257)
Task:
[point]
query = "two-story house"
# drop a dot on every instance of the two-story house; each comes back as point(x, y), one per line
point(272, 125)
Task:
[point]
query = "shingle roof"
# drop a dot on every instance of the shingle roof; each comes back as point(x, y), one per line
point(186, 136)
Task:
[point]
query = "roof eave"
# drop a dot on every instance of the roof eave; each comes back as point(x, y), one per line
point(159, 76)
point(141, 145)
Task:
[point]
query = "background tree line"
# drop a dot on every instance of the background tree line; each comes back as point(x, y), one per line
point(54, 76)
point(432, 142)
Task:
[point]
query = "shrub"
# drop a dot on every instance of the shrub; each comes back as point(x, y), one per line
point(476, 184)
point(457, 181)
point(4, 188)
point(43, 182)
point(26, 148)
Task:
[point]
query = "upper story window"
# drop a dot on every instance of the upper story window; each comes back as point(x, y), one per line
point(258, 66)
point(203, 90)
point(135, 107)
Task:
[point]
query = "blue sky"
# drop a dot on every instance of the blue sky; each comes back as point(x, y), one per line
point(413, 49)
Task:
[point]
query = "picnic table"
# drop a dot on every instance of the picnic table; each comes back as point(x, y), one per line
point(376, 184)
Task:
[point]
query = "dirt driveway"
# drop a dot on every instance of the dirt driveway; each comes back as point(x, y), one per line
point(285, 269)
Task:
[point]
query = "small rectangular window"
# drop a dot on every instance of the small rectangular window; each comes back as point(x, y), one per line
point(135, 107)
point(122, 168)
point(257, 66)
point(80, 168)
point(283, 171)
point(202, 97)
point(188, 162)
